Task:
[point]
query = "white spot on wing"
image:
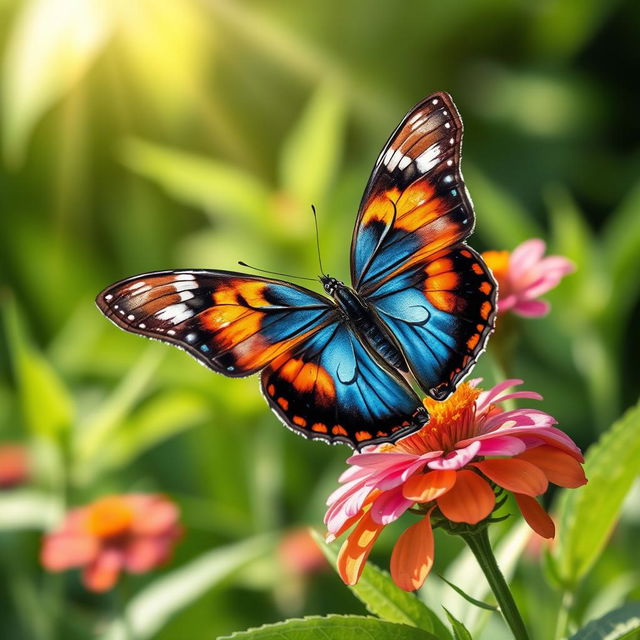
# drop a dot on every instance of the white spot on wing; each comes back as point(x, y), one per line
point(175, 313)
point(185, 295)
point(136, 285)
point(404, 163)
point(185, 276)
point(108, 297)
point(184, 285)
point(428, 158)
point(171, 332)
point(142, 325)
point(131, 317)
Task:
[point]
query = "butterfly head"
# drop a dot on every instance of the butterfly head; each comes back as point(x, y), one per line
point(330, 284)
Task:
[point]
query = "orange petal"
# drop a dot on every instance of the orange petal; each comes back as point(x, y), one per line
point(514, 475)
point(425, 487)
point(559, 467)
point(412, 556)
point(103, 572)
point(469, 500)
point(356, 548)
point(537, 518)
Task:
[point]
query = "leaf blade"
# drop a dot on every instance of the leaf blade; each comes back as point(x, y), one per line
point(382, 597)
point(333, 627)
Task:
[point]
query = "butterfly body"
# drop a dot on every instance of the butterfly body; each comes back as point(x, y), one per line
point(365, 322)
point(343, 368)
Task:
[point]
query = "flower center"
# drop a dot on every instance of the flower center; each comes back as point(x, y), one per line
point(109, 517)
point(451, 421)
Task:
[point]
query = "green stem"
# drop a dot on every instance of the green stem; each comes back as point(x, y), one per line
point(562, 623)
point(478, 542)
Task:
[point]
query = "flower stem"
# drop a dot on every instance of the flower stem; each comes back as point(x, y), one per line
point(478, 542)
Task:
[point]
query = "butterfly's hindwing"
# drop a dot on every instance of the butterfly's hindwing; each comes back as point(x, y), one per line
point(233, 323)
point(442, 311)
point(331, 388)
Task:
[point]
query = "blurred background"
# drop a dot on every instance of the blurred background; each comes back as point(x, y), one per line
point(152, 134)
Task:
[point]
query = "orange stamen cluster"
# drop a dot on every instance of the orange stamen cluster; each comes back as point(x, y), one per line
point(109, 517)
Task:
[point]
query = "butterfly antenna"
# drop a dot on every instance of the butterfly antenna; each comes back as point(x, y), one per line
point(275, 273)
point(315, 220)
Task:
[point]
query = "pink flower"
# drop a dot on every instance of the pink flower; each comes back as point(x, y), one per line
point(523, 275)
point(14, 465)
point(133, 532)
point(450, 470)
point(299, 554)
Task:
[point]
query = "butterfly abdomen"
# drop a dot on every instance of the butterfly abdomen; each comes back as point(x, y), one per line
point(363, 321)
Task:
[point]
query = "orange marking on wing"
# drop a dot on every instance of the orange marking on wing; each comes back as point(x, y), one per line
point(284, 403)
point(466, 253)
point(472, 342)
point(448, 281)
point(300, 421)
point(271, 389)
point(485, 310)
point(307, 377)
point(476, 268)
point(486, 287)
point(363, 435)
point(441, 265)
point(381, 434)
point(446, 301)
point(378, 209)
point(318, 427)
point(480, 327)
point(338, 430)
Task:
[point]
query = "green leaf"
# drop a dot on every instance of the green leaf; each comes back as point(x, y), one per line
point(588, 514)
point(51, 47)
point(460, 632)
point(97, 430)
point(217, 187)
point(573, 238)
point(623, 623)
point(468, 598)
point(621, 246)
point(149, 611)
point(311, 153)
point(501, 221)
point(377, 591)
point(333, 627)
point(162, 418)
point(46, 403)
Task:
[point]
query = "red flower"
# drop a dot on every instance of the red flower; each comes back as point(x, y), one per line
point(134, 533)
point(14, 465)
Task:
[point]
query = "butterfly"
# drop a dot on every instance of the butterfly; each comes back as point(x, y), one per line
point(342, 368)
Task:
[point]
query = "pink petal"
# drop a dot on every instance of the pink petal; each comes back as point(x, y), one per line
point(155, 516)
point(532, 308)
point(525, 256)
point(491, 395)
point(379, 460)
point(501, 446)
point(66, 551)
point(456, 459)
point(143, 554)
point(507, 302)
point(389, 506)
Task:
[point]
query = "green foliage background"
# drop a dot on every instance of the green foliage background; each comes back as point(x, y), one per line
point(154, 134)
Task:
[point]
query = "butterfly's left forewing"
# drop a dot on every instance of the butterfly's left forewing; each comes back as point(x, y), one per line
point(233, 323)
